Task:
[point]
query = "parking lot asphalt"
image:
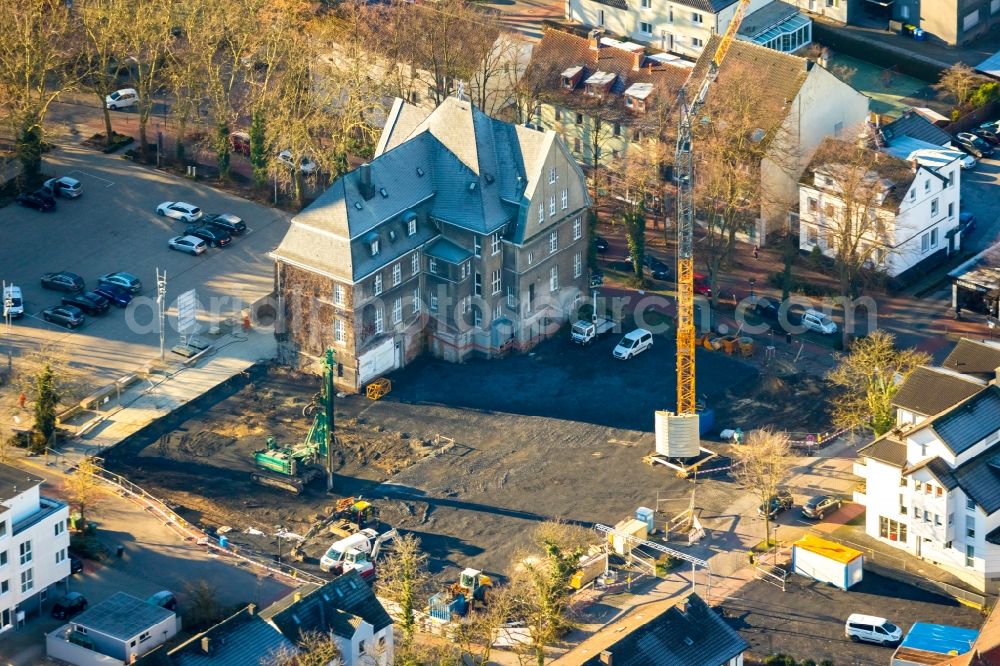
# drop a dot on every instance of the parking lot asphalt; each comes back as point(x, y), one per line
point(114, 227)
point(807, 620)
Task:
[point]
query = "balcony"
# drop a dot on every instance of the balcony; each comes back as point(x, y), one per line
point(47, 508)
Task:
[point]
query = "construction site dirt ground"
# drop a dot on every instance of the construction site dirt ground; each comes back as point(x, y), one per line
point(468, 457)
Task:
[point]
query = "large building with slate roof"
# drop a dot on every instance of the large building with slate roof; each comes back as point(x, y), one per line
point(932, 484)
point(463, 236)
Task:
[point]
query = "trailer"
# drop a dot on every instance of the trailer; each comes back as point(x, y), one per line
point(827, 561)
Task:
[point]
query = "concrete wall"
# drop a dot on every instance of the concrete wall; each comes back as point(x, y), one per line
point(58, 648)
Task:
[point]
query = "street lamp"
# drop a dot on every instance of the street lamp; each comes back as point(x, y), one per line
point(280, 530)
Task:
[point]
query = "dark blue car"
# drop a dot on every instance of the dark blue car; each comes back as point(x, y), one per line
point(118, 296)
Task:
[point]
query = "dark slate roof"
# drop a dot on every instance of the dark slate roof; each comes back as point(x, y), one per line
point(14, 481)
point(886, 449)
point(242, 639)
point(969, 421)
point(713, 6)
point(974, 357)
point(917, 127)
point(336, 606)
point(929, 390)
point(444, 249)
point(692, 635)
point(617, 4)
point(980, 479)
point(939, 468)
point(122, 616)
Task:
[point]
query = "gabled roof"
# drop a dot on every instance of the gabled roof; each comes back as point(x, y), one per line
point(886, 449)
point(834, 155)
point(917, 127)
point(338, 606)
point(929, 390)
point(926, 154)
point(969, 421)
point(974, 357)
point(712, 6)
point(122, 616)
point(14, 481)
point(689, 635)
point(241, 639)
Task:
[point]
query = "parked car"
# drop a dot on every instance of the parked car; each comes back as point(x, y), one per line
point(988, 131)
point(231, 223)
point(69, 316)
point(634, 342)
point(819, 322)
point(75, 564)
point(240, 141)
point(122, 99)
point(701, 285)
point(179, 210)
point(769, 311)
point(64, 186)
point(657, 268)
point(69, 605)
point(601, 244)
point(819, 506)
point(116, 295)
point(966, 223)
point(306, 165)
point(122, 279)
point(780, 501)
point(189, 244)
point(872, 629)
point(63, 281)
point(968, 161)
point(596, 277)
point(163, 599)
point(13, 302)
point(90, 302)
point(214, 236)
point(973, 144)
point(39, 200)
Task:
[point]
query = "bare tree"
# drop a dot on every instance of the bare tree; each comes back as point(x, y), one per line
point(403, 578)
point(313, 648)
point(101, 58)
point(498, 73)
point(477, 633)
point(636, 184)
point(762, 462)
point(869, 376)
point(958, 83)
point(82, 487)
point(147, 37)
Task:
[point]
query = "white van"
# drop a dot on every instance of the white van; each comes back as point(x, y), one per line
point(634, 342)
point(332, 560)
point(871, 629)
point(13, 303)
point(121, 99)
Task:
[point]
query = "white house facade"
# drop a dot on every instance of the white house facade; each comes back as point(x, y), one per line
point(33, 545)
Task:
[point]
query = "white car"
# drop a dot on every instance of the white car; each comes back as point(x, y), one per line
point(634, 342)
point(190, 244)
point(122, 99)
point(13, 302)
point(64, 186)
point(179, 210)
point(819, 322)
point(305, 164)
point(968, 161)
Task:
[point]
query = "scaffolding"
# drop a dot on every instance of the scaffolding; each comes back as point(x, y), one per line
point(652, 545)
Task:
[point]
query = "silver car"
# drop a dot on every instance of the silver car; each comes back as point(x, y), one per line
point(190, 244)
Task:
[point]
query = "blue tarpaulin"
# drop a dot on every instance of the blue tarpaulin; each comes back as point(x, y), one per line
point(940, 638)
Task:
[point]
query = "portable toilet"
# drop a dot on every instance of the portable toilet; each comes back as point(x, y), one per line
point(645, 514)
point(827, 561)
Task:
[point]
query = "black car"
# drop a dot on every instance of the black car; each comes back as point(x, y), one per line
point(226, 222)
point(114, 294)
point(966, 223)
point(68, 606)
point(214, 236)
point(601, 244)
point(89, 301)
point(38, 200)
point(657, 268)
point(988, 131)
point(75, 564)
point(69, 316)
point(769, 311)
point(819, 506)
point(974, 145)
point(779, 502)
point(63, 281)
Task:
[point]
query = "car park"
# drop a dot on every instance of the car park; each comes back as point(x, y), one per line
point(634, 342)
point(122, 99)
point(227, 221)
point(872, 629)
point(306, 165)
point(64, 186)
point(122, 279)
point(240, 142)
point(13, 302)
point(601, 244)
point(39, 200)
point(90, 302)
point(69, 316)
point(817, 507)
point(69, 605)
point(63, 281)
point(190, 244)
point(179, 210)
point(114, 294)
point(780, 501)
point(214, 236)
point(819, 322)
point(973, 144)
point(966, 223)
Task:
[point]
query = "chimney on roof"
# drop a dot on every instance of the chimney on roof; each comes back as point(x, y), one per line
point(252, 609)
point(595, 38)
point(637, 58)
point(365, 181)
point(606, 658)
point(206, 645)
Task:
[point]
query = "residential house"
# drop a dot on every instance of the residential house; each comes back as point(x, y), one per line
point(33, 543)
point(600, 95)
point(959, 22)
point(345, 608)
point(779, 26)
point(914, 204)
point(463, 236)
point(816, 104)
point(932, 484)
point(842, 11)
point(914, 125)
point(116, 631)
point(690, 633)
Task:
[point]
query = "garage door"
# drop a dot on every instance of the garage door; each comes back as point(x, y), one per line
point(377, 362)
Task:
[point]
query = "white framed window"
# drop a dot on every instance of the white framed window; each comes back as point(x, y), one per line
point(411, 227)
point(925, 243)
point(565, 198)
point(397, 310)
point(970, 20)
point(497, 311)
point(61, 556)
point(378, 284)
point(927, 185)
point(495, 282)
point(25, 552)
point(3, 558)
point(697, 18)
point(951, 209)
point(415, 263)
point(552, 204)
point(913, 194)
point(577, 265)
point(397, 274)
point(697, 42)
point(553, 241)
point(338, 331)
point(27, 580)
point(646, 4)
point(934, 206)
point(416, 301)
point(511, 297)
point(541, 212)
point(577, 229)
point(495, 244)
point(379, 320)
point(934, 238)
point(433, 303)
point(970, 556)
point(477, 246)
point(645, 28)
point(374, 247)
point(4, 587)
point(552, 175)
point(463, 305)
point(3, 528)
point(531, 257)
point(432, 265)
point(812, 235)
point(338, 294)
point(478, 285)
point(60, 527)
point(951, 176)
point(554, 278)
point(477, 317)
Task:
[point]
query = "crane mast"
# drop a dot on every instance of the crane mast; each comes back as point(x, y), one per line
point(684, 176)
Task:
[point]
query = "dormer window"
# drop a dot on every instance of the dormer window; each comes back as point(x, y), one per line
point(570, 77)
point(374, 247)
point(372, 241)
point(599, 84)
point(636, 96)
point(567, 83)
point(411, 227)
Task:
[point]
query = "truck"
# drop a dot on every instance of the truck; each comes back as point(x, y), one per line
point(585, 332)
point(356, 552)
